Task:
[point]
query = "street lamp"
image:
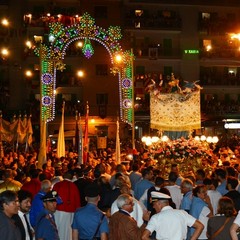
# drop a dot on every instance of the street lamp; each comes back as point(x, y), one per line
point(4, 53)
point(28, 73)
point(80, 73)
point(5, 22)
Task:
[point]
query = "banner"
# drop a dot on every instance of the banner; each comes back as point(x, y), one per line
point(61, 138)
point(175, 111)
point(19, 130)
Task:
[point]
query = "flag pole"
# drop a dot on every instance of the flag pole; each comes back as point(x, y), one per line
point(118, 151)
point(85, 143)
point(1, 145)
point(80, 143)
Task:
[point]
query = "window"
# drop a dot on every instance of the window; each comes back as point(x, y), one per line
point(207, 45)
point(102, 69)
point(100, 12)
point(140, 70)
point(205, 15)
point(102, 98)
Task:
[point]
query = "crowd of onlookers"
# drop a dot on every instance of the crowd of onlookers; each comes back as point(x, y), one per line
point(110, 199)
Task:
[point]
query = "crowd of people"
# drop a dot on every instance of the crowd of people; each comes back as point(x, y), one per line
point(105, 199)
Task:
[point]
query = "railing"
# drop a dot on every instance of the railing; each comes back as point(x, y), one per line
point(153, 23)
point(154, 53)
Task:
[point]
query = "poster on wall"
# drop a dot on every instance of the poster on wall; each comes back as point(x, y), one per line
point(101, 142)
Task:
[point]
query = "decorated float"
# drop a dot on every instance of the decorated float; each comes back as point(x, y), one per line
point(175, 113)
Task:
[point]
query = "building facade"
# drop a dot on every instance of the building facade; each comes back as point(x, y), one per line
point(188, 39)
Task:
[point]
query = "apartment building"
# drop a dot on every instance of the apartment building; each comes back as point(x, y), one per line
point(188, 39)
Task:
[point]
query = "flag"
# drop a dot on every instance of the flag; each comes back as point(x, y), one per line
point(61, 138)
point(85, 142)
point(29, 134)
point(76, 133)
point(118, 152)
point(29, 131)
point(80, 144)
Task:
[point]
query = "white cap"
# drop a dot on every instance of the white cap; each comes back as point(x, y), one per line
point(159, 196)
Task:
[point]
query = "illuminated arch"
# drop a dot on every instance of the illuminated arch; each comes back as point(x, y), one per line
point(52, 55)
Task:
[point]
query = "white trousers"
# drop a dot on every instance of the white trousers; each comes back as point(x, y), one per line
point(64, 221)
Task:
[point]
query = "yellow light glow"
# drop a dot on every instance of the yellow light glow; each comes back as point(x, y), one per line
point(29, 44)
point(155, 139)
point(209, 139)
point(80, 73)
point(79, 44)
point(165, 138)
point(203, 138)
point(118, 58)
point(4, 52)
point(235, 36)
point(92, 120)
point(208, 47)
point(5, 22)
point(197, 138)
point(28, 73)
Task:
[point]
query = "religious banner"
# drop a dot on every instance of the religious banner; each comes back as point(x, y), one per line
point(175, 111)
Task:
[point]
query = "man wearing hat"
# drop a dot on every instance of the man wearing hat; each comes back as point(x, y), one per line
point(45, 225)
point(170, 223)
point(89, 222)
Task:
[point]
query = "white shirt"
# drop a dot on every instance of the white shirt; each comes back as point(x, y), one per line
point(176, 194)
point(137, 212)
point(214, 196)
point(21, 215)
point(204, 220)
point(144, 198)
point(170, 224)
point(237, 219)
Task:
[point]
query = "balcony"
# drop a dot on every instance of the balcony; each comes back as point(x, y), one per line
point(154, 53)
point(150, 20)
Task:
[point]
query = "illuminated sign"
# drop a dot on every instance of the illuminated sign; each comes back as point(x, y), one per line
point(191, 51)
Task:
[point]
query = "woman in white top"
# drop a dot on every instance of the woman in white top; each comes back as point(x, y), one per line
point(234, 227)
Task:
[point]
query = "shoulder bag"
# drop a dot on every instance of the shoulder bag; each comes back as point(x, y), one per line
point(94, 236)
point(220, 229)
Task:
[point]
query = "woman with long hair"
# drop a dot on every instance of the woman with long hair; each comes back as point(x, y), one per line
point(218, 227)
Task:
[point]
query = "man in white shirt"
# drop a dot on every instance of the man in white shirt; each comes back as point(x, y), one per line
point(174, 189)
point(170, 223)
point(214, 195)
point(21, 219)
point(137, 212)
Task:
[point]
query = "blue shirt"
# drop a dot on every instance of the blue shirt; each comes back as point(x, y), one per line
point(186, 201)
point(141, 187)
point(46, 227)
point(222, 188)
point(86, 221)
point(36, 208)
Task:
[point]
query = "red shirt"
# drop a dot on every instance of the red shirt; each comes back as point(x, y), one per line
point(69, 193)
point(33, 186)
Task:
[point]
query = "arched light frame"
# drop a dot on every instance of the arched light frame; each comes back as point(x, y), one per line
point(62, 37)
